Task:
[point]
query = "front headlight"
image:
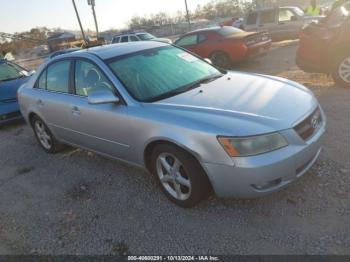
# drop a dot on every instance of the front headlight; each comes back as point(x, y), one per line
point(253, 145)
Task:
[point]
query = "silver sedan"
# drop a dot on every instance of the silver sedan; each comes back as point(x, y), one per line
point(195, 127)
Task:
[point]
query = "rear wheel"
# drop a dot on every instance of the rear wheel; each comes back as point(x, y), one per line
point(221, 59)
point(44, 136)
point(180, 175)
point(341, 73)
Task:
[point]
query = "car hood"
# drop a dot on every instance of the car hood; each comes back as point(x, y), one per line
point(8, 89)
point(243, 104)
point(164, 40)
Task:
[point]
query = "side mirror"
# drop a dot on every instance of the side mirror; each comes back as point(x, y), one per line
point(294, 18)
point(208, 61)
point(103, 97)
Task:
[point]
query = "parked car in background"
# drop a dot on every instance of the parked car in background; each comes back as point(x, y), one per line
point(195, 127)
point(12, 76)
point(225, 45)
point(325, 46)
point(235, 22)
point(137, 36)
point(282, 23)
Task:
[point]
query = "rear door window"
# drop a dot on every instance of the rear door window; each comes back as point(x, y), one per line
point(187, 40)
point(267, 17)
point(116, 40)
point(133, 38)
point(202, 38)
point(124, 39)
point(58, 77)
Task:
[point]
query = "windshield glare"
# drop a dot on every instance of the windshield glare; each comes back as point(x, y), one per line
point(228, 30)
point(298, 11)
point(158, 73)
point(146, 36)
point(10, 72)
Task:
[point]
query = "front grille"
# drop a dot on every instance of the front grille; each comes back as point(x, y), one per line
point(257, 38)
point(10, 116)
point(308, 127)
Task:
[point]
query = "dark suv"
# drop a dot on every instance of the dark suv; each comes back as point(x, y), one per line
point(325, 46)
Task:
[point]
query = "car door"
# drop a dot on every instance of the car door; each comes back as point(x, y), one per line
point(268, 21)
point(52, 97)
point(289, 24)
point(188, 42)
point(100, 127)
point(203, 48)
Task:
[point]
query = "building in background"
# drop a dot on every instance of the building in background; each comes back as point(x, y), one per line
point(60, 41)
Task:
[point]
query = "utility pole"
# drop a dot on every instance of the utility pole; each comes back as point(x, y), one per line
point(92, 3)
point(188, 16)
point(81, 27)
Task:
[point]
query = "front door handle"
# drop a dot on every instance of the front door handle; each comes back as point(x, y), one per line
point(75, 111)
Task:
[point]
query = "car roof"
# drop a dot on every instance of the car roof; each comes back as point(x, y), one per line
point(273, 8)
point(208, 29)
point(130, 33)
point(113, 50)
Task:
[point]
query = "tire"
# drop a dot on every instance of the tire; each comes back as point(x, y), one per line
point(44, 136)
point(187, 185)
point(341, 72)
point(221, 59)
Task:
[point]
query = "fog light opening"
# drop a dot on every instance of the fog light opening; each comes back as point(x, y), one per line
point(267, 185)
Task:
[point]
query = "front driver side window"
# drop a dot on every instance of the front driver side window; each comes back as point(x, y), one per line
point(89, 78)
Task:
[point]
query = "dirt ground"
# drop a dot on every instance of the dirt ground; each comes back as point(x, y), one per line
point(76, 202)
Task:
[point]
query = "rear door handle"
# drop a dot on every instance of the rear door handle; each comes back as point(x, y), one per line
point(40, 103)
point(75, 111)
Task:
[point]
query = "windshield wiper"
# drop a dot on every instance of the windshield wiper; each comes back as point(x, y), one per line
point(197, 83)
point(185, 88)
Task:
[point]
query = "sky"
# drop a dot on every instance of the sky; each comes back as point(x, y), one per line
point(22, 15)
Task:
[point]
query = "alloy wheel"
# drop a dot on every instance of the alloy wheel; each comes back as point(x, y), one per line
point(344, 70)
point(173, 176)
point(43, 135)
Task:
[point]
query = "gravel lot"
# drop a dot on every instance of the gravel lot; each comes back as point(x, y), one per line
point(76, 202)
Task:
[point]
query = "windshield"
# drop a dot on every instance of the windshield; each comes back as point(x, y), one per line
point(298, 11)
point(10, 72)
point(158, 73)
point(146, 36)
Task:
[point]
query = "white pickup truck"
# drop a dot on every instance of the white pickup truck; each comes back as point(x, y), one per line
point(281, 22)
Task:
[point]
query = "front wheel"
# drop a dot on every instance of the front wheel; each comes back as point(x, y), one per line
point(341, 73)
point(221, 59)
point(180, 175)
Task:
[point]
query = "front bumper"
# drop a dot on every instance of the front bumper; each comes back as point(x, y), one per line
point(256, 176)
point(310, 67)
point(9, 112)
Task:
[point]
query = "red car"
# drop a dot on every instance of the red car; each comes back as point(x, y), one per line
point(325, 46)
point(225, 45)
